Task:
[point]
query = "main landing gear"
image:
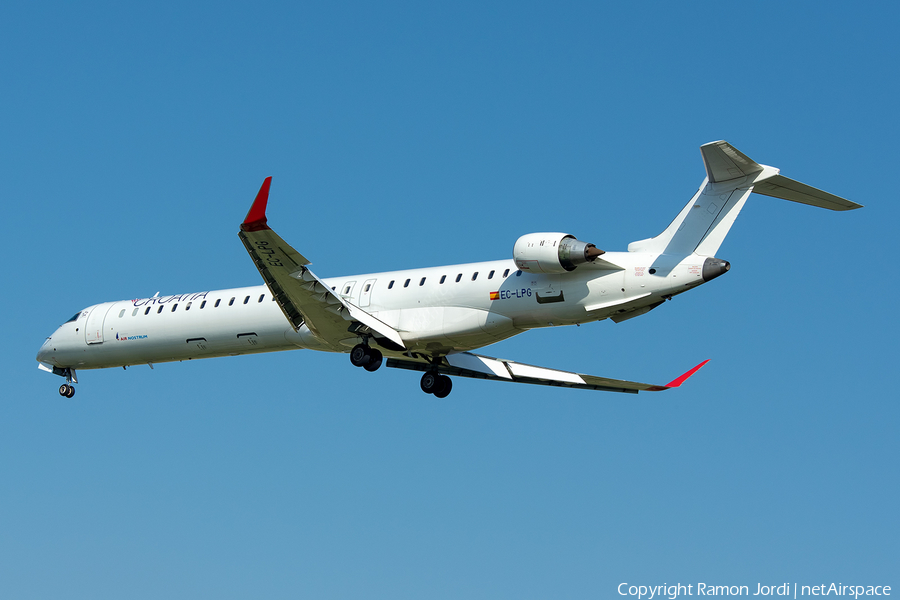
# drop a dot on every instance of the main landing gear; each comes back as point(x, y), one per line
point(370, 359)
point(67, 390)
point(365, 357)
point(437, 384)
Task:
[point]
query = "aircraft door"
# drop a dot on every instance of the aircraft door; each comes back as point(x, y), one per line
point(365, 293)
point(93, 329)
point(346, 290)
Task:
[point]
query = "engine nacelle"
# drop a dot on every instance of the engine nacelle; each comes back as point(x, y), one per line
point(552, 252)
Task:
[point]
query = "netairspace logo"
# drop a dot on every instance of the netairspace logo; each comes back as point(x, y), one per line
point(649, 592)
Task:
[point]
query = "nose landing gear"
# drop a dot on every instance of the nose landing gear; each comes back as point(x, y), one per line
point(66, 390)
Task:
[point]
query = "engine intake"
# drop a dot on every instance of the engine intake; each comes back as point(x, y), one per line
point(552, 252)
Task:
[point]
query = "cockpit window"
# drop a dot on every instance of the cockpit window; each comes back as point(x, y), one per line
point(74, 317)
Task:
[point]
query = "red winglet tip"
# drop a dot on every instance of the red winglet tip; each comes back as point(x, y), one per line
point(677, 382)
point(256, 218)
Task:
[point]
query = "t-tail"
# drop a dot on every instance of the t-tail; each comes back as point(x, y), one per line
point(731, 176)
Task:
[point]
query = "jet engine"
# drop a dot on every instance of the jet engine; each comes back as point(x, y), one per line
point(552, 252)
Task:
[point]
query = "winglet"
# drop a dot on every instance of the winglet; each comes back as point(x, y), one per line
point(678, 381)
point(256, 218)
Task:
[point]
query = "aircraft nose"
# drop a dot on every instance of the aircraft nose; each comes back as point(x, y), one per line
point(713, 267)
point(44, 351)
point(46, 348)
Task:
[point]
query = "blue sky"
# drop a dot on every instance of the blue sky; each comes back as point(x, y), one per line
point(407, 134)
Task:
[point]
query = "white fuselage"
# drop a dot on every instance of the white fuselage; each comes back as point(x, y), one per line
point(436, 310)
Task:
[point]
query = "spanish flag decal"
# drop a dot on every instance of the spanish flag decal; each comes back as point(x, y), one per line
point(495, 295)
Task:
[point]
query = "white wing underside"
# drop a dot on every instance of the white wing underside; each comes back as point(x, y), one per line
point(467, 364)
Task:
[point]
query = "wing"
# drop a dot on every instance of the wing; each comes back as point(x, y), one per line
point(466, 364)
point(303, 297)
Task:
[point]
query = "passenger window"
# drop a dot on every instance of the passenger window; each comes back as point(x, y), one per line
point(474, 275)
point(231, 302)
point(217, 303)
point(203, 304)
point(518, 273)
point(261, 296)
point(391, 284)
point(421, 283)
point(506, 273)
point(187, 306)
point(491, 275)
point(147, 312)
point(443, 278)
point(121, 313)
point(160, 309)
point(174, 306)
point(247, 299)
point(406, 283)
point(458, 277)
point(134, 312)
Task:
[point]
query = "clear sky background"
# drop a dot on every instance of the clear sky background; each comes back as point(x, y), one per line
point(399, 135)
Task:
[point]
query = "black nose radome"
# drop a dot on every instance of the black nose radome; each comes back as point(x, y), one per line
point(713, 267)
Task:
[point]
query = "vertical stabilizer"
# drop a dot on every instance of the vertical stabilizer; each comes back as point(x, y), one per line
point(701, 225)
point(724, 162)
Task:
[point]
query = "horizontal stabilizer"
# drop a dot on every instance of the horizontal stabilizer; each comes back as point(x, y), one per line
point(786, 188)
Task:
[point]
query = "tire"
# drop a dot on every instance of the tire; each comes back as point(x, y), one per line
point(444, 387)
point(429, 382)
point(360, 355)
point(71, 391)
point(375, 359)
point(64, 390)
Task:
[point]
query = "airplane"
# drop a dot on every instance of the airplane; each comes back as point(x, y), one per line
point(429, 320)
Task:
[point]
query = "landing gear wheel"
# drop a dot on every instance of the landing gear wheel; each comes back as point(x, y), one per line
point(445, 385)
point(360, 356)
point(66, 390)
point(375, 358)
point(429, 383)
point(433, 383)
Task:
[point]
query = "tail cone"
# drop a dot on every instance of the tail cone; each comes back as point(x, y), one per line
point(713, 267)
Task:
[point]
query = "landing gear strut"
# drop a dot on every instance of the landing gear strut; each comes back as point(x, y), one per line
point(66, 390)
point(437, 384)
point(365, 357)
